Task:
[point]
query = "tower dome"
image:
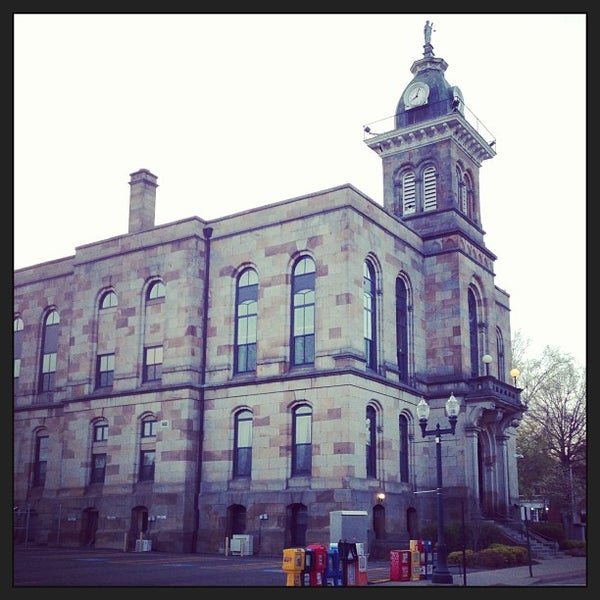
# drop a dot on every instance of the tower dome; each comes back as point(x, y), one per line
point(428, 95)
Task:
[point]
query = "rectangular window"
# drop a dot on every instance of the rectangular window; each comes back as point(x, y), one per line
point(243, 456)
point(149, 429)
point(48, 372)
point(100, 432)
point(105, 370)
point(98, 468)
point(147, 465)
point(153, 358)
point(41, 461)
point(302, 449)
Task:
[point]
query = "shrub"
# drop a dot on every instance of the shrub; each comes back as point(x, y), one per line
point(456, 558)
point(574, 547)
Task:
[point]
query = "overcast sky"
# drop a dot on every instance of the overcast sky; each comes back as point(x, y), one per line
point(233, 112)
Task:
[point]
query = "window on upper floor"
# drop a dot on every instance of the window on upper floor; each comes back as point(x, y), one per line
point(40, 464)
point(242, 455)
point(303, 312)
point(98, 459)
point(473, 334)
point(98, 472)
point(153, 359)
point(109, 300)
point(465, 193)
point(402, 314)
point(18, 327)
point(429, 189)
point(147, 448)
point(302, 440)
point(245, 323)
point(147, 458)
point(156, 290)
point(371, 447)
point(369, 315)
point(49, 352)
point(100, 432)
point(403, 443)
point(500, 355)
point(149, 427)
point(105, 370)
point(409, 193)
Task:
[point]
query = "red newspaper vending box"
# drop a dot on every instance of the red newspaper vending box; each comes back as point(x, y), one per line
point(316, 570)
point(400, 565)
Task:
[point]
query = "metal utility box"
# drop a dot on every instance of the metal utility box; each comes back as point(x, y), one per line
point(242, 544)
point(351, 525)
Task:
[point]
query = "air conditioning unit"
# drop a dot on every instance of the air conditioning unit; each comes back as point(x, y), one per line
point(241, 544)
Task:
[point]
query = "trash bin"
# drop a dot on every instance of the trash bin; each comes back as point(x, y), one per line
point(315, 566)
point(293, 565)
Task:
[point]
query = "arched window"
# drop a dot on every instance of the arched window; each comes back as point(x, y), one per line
point(302, 441)
point(41, 459)
point(500, 355)
point(429, 189)
point(18, 327)
point(156, 290)
point(370, 315)
point(297, 523)
point(371, 447)
point(246, 314)
point(402, 329)
point(403, 436)
point(409, 194)
point(236, 519)
point(242, 454)
point(100, 437)
point(461, 190)
point(303, 312)
point(108, 300)
point(147, 448)
point(473, 335)
point(469, 209)
point(49, 352)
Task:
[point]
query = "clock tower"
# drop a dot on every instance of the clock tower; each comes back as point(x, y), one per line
point(431, 160)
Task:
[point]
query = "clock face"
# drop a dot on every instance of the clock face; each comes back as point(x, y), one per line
point(416, 95)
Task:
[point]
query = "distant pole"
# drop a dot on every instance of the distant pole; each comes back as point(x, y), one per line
point(464, 544)
point(525, 508)
point(58, 526)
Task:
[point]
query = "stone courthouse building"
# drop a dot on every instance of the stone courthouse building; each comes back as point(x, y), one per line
point(249, 375)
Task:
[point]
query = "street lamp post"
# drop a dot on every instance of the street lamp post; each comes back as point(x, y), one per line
point(441, 573)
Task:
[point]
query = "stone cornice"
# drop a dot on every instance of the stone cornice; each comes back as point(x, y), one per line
point(452, 126)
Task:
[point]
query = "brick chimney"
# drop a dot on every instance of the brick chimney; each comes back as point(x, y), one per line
point(142, 200)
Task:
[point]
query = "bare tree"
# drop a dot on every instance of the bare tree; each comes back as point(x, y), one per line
point(552, 436)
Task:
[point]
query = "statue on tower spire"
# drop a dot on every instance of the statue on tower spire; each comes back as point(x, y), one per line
point(427, 30)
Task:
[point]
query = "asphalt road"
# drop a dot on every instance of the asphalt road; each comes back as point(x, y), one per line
point(49, 567)
point(81, 567)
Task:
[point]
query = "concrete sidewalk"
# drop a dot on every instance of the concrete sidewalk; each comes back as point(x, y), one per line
point(544, 571)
